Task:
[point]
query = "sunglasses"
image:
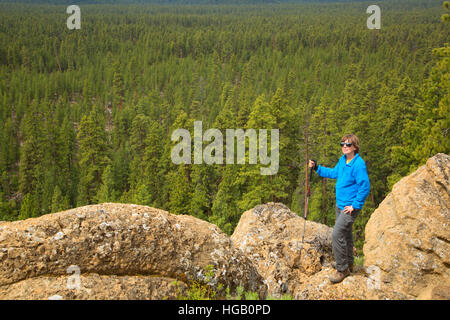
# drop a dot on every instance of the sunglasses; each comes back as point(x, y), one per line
point(346, 144)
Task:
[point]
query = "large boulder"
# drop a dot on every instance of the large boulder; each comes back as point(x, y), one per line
point(408, 236)
point(271, 236)
point(117, 251)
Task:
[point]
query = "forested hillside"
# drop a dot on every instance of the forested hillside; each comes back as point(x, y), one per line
point(86, 115)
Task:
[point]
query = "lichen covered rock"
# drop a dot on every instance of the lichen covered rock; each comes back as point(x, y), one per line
point(271, 236)
point(121, 241)
point(408, 235)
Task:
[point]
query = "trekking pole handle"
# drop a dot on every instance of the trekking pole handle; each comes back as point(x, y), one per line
point(315, 164)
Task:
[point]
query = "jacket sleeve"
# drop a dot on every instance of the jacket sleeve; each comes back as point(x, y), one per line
point(325, 172)
point(362, 180)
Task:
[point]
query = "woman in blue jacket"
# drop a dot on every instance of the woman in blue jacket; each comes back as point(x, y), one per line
point(352, 189)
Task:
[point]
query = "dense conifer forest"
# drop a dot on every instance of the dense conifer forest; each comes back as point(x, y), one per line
point(86, 116)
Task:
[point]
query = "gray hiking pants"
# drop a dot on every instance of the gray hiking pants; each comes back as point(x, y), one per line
point(342, 238)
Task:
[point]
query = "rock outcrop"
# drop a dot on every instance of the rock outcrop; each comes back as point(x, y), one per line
point(406, 252)
point(271, 236)
point(120, 251)
point(408, 235)
point(116, 251)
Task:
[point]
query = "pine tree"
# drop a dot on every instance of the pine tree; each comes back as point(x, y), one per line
point(180, 191)
point(67, 173)
point(201, 199)
point(324, 139)
point(121, 169)
point(287, 120)
point(260, 188)
point(139, 131)
point(93, 155)
point(118, 85)
point(225, 210)
point(153, 164)
point(397, 106)
point(246, 93)
point(57, 200)
point(9, 156)
point(8, 209)
point(142, 196)
point(106, 193)
point(31, 152)
point(28, 208)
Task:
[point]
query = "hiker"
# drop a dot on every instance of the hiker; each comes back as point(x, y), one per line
point(352, 189)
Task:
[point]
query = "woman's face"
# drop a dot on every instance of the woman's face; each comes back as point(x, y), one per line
point(348, 151)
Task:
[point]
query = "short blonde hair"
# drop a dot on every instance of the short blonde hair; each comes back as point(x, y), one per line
point(353, 139)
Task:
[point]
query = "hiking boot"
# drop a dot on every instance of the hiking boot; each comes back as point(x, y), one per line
point(350, 266)
point(339, 276)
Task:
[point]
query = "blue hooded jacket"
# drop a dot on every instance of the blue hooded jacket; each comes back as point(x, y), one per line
point(352, 186)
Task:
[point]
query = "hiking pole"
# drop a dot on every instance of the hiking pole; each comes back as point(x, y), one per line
point(308, 185)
